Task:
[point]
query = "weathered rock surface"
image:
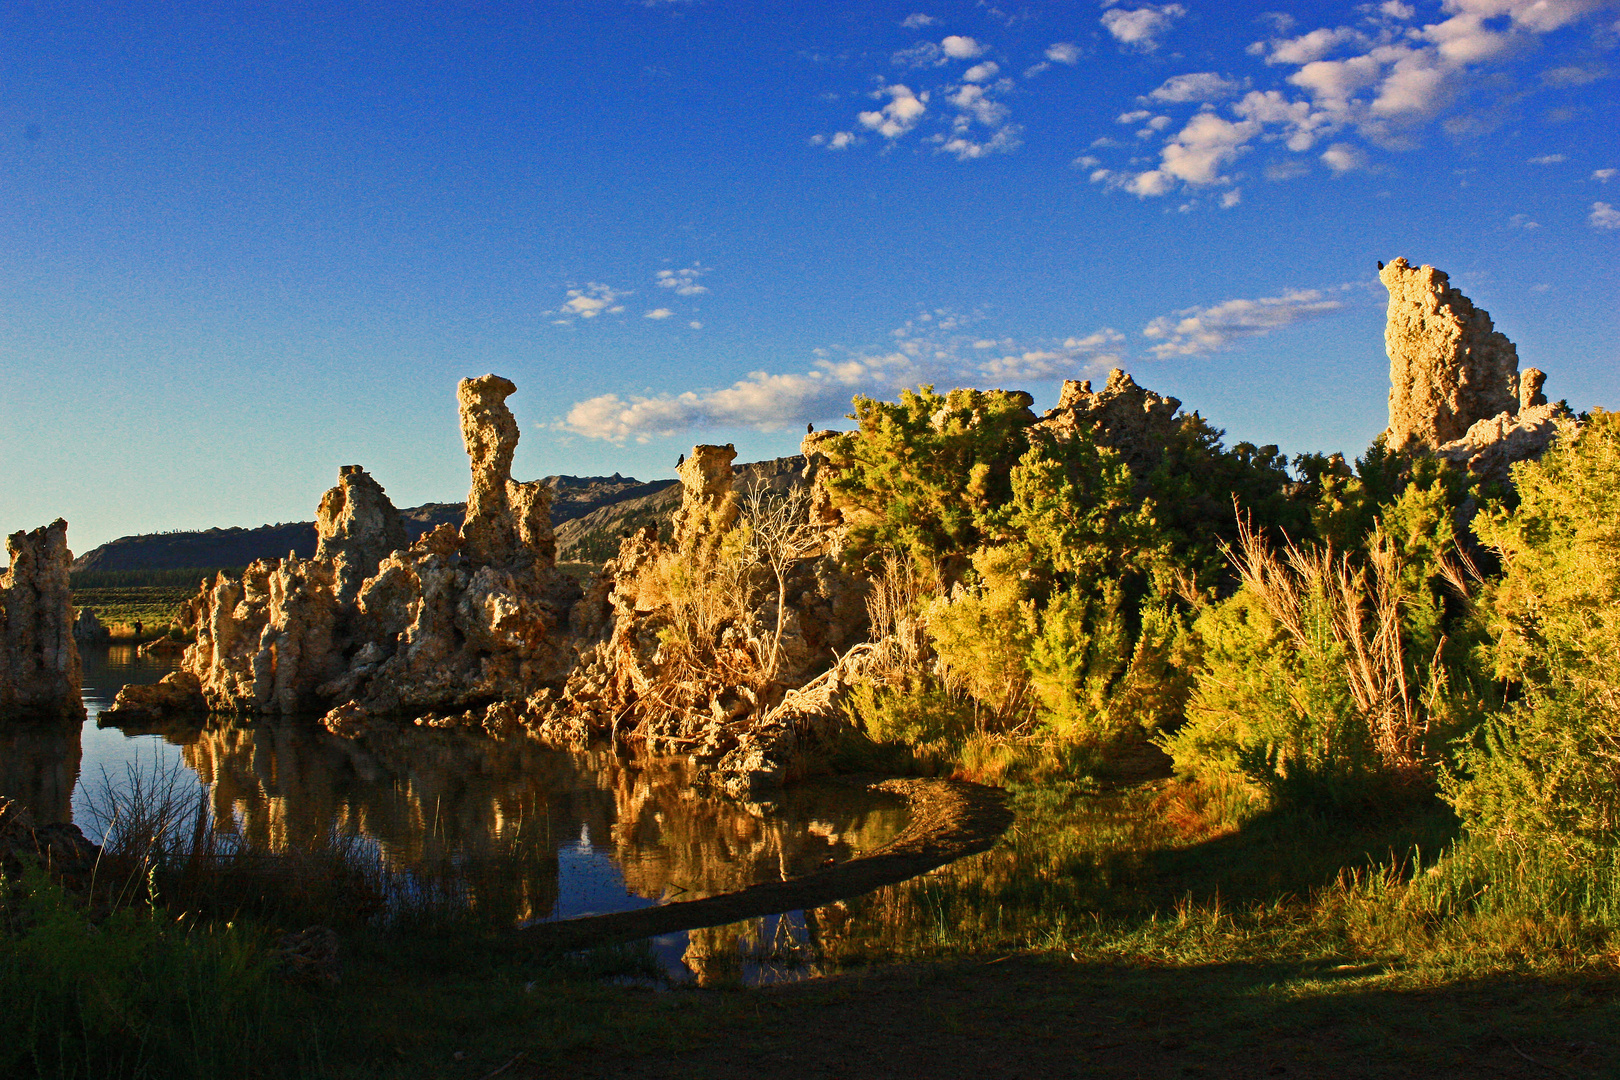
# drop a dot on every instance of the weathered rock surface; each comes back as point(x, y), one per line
point(177, 693)
point(708, 500)
point(1133, 420)
point(373, 627)
point(59, 848)
point(1449, 368)
point(356, 527)
point(1455, 385)
point(40, 672)
point(87, 629)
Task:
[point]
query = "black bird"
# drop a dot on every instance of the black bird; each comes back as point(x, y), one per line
point(1380, 264)
point(680, 461)
point(808, 428)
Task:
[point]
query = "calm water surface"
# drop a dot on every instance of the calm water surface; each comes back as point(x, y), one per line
point(515, 831)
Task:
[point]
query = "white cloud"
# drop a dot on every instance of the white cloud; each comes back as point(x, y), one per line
point(1603, 176)
point(658, 313)
point(1135, 116)
point(684, 282)
point(694, 324)
point(1062, 52)
point(984, 72)
point(1231, 198)
point(1343, 158)
point(1547, 159)
point(1522, 221)
point(930, 348)
point(588, 302)
point(1397, 10)
point(958, 47)
point(1141, 28)
point(1604, 216)
point(1202, 86)
point(918, 20)
point(1196, 155)
point(900, 115)
point(838, 140)
point(1003, 141)
point(1198, 331)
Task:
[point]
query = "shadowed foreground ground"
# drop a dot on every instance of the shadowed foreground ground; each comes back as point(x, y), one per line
point(1023, 1016)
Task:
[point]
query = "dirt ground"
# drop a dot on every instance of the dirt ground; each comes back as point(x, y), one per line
point(1024, 1016)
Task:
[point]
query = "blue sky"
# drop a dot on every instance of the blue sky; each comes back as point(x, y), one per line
point(243, 245)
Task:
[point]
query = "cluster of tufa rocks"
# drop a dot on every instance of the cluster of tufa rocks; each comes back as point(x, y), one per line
point(477, 627)
point(371, 626)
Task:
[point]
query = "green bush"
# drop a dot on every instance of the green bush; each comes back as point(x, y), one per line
point(1543, 772)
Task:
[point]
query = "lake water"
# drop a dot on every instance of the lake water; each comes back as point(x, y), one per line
point(512, 830)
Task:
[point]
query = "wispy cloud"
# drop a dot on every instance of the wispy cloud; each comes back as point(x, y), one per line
point(932, 347)
point(1197, 331)
point(917, 21)
point(1603, 176)
point(1547, 159)
point(1604, 217)
point(683, 282)
point(588, 302)
point(1200, 86)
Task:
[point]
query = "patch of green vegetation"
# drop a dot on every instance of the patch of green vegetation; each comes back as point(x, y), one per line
point(119, 608)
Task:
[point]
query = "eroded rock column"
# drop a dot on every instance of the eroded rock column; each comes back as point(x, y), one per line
point(40, 672)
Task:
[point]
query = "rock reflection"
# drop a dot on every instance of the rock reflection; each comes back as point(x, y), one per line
point(39, 766)
point(480, 822)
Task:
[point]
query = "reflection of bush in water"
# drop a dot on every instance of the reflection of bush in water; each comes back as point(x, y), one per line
point(463, 820)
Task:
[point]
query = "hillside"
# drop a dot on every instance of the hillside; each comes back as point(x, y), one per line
point(573, 497)
point(594, 537)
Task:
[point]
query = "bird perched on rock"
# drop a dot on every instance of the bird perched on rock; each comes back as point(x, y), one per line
point(808, 428)
point(1380, 264)
point(680, 461)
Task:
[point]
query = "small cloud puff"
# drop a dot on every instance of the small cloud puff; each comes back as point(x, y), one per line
point(588, 302)
point(658, 313)
point(838, 140)
point(1062, 52)
point(1343, 158)
point(1603, 176)
point(1199, 331)
point(1604, 217)
point(684, 282)
point(1141, 28)
point(984, 72)
point(1522, 221)
point(900, 115)
point(958, 47)
point(917, 21)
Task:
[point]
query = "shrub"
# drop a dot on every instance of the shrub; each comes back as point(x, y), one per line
point(1542, 772)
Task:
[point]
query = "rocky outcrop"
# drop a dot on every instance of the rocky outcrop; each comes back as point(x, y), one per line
point(178, 692)
point(370, 627)
point(356, 527)
point(40, 673)
point(59, 848)
point(1449, 368)
point(708, 501)
point(87, 629)
point(1135, 421)
point(1455, 386)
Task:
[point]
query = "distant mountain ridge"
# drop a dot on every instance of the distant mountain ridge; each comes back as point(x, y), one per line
point(572, 497)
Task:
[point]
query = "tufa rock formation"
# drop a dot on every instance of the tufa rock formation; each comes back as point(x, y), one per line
point(1135, 421)
point(40, 673)
point(370, 626)
point(356, 527)
point(1455, 385)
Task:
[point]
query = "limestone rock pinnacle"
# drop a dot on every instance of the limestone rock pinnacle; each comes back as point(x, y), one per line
point(1448, 366)
point(356, 527)
point(506, 521)
point(40, 671)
